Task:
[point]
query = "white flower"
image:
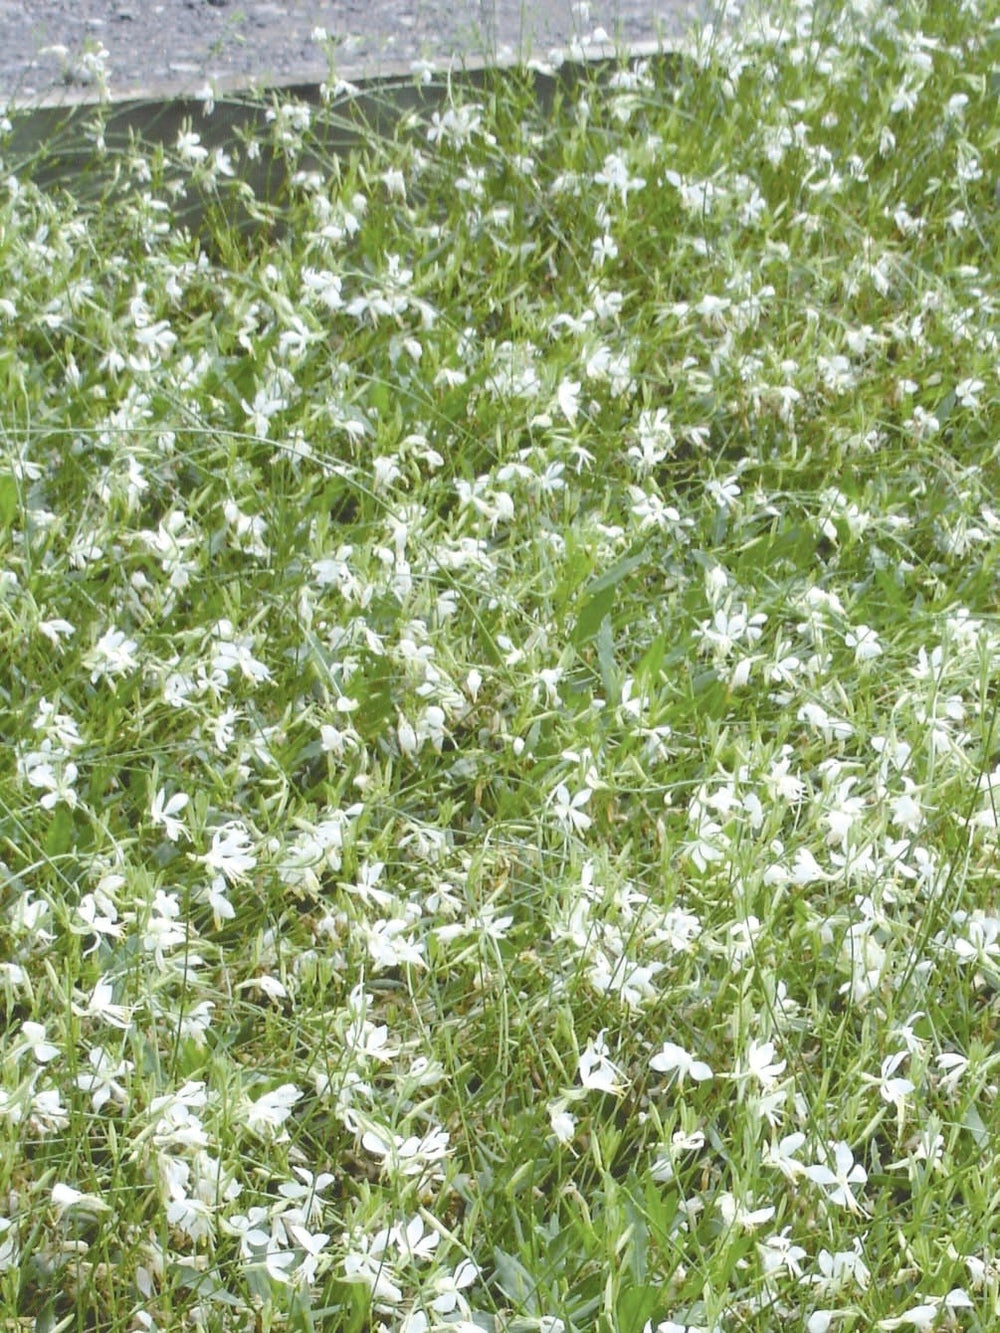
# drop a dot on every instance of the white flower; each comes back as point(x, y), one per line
point(837, 1182)
point(313, 1243)
point(821, 1320)
point(967, 392)
point(725, 493)
point(449, 1287)
point(663, 1168)
point(729, 629)
point(102, 1080)
point(782, 1155)
point(615, 176)
point(164, 813)
point(100, 1005)
point(563, 1122)
point(56, 630)
point(113, 655)
point(779, 1253)
point(407, 737)
point(266, 404)
point(674, 1059)
point(806, 869)
point(190, 148)
point(906, 811)
point(231, 855)
point(953, 1066)
point(921, 1316)
point(842, 1268)
point(632, 982)
point(271, 1109)
point(893, 1089)
point(409, 1156)
point(830, 727)
point(596, 1070)
point(415, 1242)
point(65, 1197)
point(230, 653)
point(215, 897)
point(761, 1064)
point(569, 809)
point(35, 1042)
point(864, 640)
point(49, 770)
point(568, 397)
point(737, 1214)
point(391, 943)
point(158, 338)
point(47, 1112)
point(366, 1261)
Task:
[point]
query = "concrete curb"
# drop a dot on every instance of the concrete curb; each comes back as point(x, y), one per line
point(48, 139)
point(361, 76)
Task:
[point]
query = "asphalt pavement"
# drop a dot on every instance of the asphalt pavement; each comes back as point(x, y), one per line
point(156, 48)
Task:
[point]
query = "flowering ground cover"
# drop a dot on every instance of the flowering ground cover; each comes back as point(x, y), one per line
point(500, 647)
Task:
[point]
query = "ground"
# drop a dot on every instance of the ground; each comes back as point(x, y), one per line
point(162, 46)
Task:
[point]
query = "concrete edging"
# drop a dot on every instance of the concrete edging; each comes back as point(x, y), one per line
point(48, 139)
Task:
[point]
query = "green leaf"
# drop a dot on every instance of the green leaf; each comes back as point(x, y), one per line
point(351, 1304)
point(516, 1282)
point(606, 662)
point(648, 670)
point(709, 696)
point(635, 1306)
point(593, 612)
point(207, 1287)
point(373, 690)
point(660, 1210)
point(45, 1322)
point(600, 595)
point(10, 501)
point(973, 1122)
point(60, 837)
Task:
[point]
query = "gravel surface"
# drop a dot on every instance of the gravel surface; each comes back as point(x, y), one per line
point(161, 47)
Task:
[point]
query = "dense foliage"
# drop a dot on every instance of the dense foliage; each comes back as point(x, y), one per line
point(499, 691)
